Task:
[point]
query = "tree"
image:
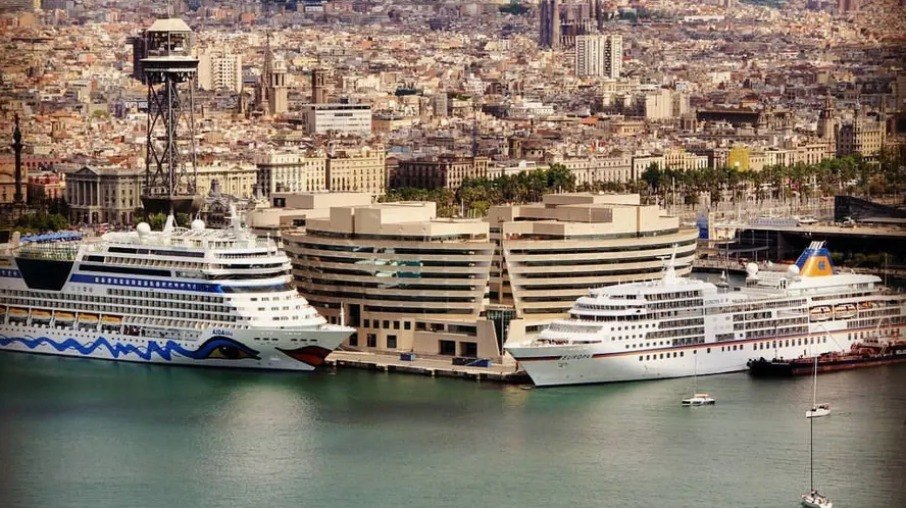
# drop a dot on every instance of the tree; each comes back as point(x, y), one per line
point(653, 176)
point(514, 7)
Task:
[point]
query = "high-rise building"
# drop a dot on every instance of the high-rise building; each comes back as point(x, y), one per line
point(589, 56)
point(613, 56)
point(220, 69)
point(599, 55)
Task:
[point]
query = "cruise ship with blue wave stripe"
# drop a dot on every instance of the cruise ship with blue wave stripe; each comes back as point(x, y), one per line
point(181, 296)
point(679, 326)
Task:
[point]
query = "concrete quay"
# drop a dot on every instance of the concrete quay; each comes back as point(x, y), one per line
point(435, 366)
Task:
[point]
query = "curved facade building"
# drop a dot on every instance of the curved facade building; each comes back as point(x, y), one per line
point(405, 279)
point(550, 254)
point(408, 281)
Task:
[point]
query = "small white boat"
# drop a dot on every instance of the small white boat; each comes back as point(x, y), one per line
point(722, 283)
point(815, 500)
point(699, 399)
point(818, 410)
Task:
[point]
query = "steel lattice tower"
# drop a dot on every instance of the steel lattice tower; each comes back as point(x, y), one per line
point(169, 70)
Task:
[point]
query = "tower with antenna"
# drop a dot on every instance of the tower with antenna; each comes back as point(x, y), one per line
point(18, 196)
point(169, 70)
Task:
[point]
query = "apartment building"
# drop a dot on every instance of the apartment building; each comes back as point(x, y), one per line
point(438, 172)
point(357, 169)
point(220, 69)
point(291, 172)
point(598, 55)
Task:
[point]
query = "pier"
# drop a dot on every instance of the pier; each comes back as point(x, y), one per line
point(433, 366)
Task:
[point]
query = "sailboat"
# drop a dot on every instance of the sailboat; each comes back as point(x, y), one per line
point(812, 498)
point(697, 399)
point(817, 410)
point(722, 283)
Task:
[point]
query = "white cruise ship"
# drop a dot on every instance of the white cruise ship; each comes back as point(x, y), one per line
point(179, 296)
point(679, 327)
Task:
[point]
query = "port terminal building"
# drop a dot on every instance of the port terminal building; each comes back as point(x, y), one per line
point(409, 281)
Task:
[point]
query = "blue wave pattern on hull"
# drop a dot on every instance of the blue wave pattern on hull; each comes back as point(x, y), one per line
point(216, 347)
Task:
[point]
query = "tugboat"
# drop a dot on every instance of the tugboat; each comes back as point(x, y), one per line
point(859, 355)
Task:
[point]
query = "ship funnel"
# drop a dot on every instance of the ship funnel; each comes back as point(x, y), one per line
point(815, 261)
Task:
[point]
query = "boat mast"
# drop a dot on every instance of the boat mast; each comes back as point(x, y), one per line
point(811, 455)
point(815, 386)
point(695, 375)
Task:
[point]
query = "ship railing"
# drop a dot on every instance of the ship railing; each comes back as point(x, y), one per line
point(45, 251)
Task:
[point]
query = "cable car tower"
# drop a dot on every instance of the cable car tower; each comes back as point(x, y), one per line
point(165, 64)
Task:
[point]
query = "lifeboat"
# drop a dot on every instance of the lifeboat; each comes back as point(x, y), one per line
point(64, 317)
point(112, 320)
point(845, 311)
point(40, 315)
point(18, 314)
point(866, 305)
point(820, 313)
point(90, 319)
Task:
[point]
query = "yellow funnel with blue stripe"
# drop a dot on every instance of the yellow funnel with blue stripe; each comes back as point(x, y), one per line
point(815, 261)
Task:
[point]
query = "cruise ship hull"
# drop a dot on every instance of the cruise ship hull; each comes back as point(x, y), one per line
point(296, 350)
point(586, 364)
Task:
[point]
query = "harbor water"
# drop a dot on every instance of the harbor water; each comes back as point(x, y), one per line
point(103, 434)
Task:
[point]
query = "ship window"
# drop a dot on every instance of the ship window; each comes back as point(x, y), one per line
point(367, 323)
point(647, 357)
point(640, 358)
point(681, 353)
point(709, 350)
